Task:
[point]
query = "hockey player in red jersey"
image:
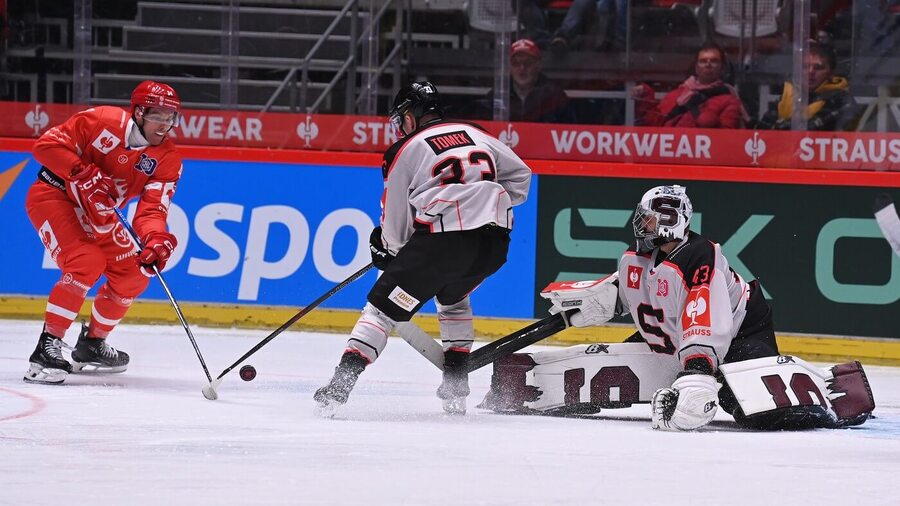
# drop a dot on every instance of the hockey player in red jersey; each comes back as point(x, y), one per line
point(705, 338)
point(449, 190)
point(95, 161)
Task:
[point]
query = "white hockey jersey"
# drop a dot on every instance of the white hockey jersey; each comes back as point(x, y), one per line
point(446, 177)
point(689, 304)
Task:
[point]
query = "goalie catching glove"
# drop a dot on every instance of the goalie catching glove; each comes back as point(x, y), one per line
point(158, 248)
point(597, 301)
point(690, 403)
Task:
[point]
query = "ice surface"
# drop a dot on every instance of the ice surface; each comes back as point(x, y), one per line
point(148, 437)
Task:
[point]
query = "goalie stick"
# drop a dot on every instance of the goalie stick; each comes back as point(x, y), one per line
point(165, 287)
point(489, 353)
point(209, 391)
point(888, 220)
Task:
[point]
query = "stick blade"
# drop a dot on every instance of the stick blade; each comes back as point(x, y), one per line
point(209, 391)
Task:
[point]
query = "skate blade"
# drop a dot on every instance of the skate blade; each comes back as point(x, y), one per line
point(455, 406)
point(326, 410)
point(44, 375)
point(96, 368)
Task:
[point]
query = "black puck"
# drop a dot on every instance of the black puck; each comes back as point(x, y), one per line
point(248, 372)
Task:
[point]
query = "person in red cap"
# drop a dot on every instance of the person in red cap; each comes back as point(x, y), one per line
point(534, 98)
point(95, 161)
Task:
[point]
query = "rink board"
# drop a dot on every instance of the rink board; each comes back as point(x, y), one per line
point(261, 234)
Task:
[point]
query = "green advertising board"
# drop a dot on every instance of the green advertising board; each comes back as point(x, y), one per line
point(817, 250)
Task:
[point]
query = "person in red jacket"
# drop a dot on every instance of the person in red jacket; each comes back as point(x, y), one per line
point(95, 161)
point(701, 101)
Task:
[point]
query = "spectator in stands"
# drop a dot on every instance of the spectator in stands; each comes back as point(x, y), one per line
point(576, 21)
point(704, 100)
point(831, 107)
point(533, 97)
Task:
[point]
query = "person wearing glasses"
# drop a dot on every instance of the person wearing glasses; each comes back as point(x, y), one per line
point(533, 97)
point(95, 161)
point(449, 190)
point(831, 107)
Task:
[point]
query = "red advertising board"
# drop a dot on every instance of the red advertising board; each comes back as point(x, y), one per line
point(588, 143)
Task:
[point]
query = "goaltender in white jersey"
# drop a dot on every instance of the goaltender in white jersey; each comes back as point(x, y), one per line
point(705, 338)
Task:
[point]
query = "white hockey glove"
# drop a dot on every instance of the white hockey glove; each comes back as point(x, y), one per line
point(690, 403)
point(597, 301)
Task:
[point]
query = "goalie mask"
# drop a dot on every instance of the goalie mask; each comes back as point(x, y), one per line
point(419, 99)
point(663, 215)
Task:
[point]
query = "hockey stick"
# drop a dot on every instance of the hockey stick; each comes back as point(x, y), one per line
point(209, 391)
point(421, 342)
point(489, 353)
point(888, 220)
point(519, 339)
point(165, 287)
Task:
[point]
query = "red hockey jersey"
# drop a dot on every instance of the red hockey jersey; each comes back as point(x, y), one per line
point(108, 137)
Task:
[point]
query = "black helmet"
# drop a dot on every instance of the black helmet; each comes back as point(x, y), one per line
point(419, 98)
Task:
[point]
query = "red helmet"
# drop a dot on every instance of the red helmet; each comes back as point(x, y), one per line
point(153, 94)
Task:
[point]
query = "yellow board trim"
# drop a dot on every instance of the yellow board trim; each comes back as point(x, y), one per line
point(822, 348)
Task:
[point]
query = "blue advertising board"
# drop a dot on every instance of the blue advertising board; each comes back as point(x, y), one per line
point(263, 233)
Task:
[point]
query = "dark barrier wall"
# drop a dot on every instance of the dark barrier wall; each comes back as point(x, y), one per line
point(817, 250)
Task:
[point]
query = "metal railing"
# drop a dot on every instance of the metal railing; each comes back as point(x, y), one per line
point(298, 76)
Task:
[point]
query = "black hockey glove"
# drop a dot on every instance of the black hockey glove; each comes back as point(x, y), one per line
point(381, 257)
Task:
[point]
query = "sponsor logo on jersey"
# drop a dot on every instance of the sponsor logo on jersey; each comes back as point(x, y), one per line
point(403, 299)
point(696, 310)
point(596, 348)
point(146, 164)
point(634, 276)
point(121, 237)
point(662, 287)
point(448, 141)
point(106, 142)
point(123, 159)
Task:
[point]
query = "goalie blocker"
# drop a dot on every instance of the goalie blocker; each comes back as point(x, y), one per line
point(770, 393)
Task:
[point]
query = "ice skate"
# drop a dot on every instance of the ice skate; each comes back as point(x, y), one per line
point(93, 356)
point(335, 394)
point(455, 387)
point(48, 366)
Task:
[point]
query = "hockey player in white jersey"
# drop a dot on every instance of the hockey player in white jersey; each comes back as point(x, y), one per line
point(449, 190)
point(702, 323)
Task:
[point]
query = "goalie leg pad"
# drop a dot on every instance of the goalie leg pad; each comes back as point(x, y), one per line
point(785, 392)
point(850, 393)
point(579, 379)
